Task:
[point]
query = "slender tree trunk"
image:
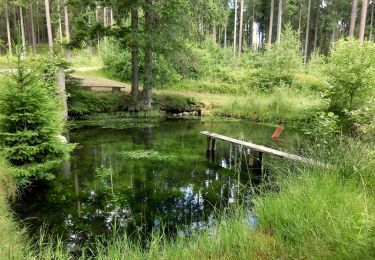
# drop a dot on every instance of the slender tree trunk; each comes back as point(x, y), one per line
point(60, 23)
point(254, 36)
point(8, 30)
point(334, 22)
point(240, 38)
point(111, 15)
point(214, 33)
point(372, 21)
point(235, 29)
point(316, 25)
point(105, 22)
point(37, 23)
point(33, 37)
point(271, 23)
point(89, 43)
point(353, 18)
point(279, 20)
point(67, 31)
point(22, 31)
point(14, 17)
point(147, 89)
point(300, 20)
point(97, 34)
point(362, 25)
point(134, 54)
point(225, 34)
point(307, 31)
point(49, 27)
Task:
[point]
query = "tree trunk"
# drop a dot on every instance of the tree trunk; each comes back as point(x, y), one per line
point(33, 37)
point(67, 31)
point(111, 14)
point(353, 18)
point(89, 43)
point(372, 21)
point(235, 29)
point(105, 23)
point(334, 23)
point(60, 23)
point(49, 27)
point(316, 25)
point(240, 39)
point(362, 25)
point(147, 88)
point(22, 32)
point(225, 34)
point(97, 34)
point(279, 20)
point(307, 32)
point(8, 30)
point(134, 54)
point(214, 33)
point(254, 36)
point(271, 23)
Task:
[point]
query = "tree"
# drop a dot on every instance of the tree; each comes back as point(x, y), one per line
point(307, 31)
point(134, 52)
point(67, 30)
point(33, 37)
point(362, 25)
point(241, 30)
point(353, 18)
point(271, 22)
point(235, 28)
point(8, 29)
point(279, 20)
point(49, 27)
point(372, 20)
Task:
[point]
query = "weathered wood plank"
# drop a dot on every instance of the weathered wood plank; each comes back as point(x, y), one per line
point(261, 148)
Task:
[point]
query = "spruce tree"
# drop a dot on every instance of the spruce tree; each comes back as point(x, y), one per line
point(30, 124)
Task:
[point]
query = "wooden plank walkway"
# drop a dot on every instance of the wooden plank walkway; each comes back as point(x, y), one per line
point(256, 147)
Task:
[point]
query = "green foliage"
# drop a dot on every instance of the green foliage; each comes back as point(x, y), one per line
point(149, 155)
point(176, 103)
point(351, 73)
point(30, 122)
point(324, 126)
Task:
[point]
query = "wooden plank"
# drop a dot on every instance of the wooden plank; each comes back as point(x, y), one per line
point(261, 148)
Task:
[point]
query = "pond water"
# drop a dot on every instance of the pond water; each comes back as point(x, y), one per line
point(139, 179)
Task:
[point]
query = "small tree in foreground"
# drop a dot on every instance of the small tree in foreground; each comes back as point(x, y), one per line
point(30, 123)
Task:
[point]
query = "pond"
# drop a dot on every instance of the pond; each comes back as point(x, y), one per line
point(139, 179)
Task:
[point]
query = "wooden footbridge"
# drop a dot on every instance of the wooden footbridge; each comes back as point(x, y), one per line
point(260, 149)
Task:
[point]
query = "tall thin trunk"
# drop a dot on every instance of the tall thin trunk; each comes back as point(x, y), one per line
point(271, 23)
point(353, 18)
point(279, 20)
point(14, 17)
point(254, 36)
point(67, 31)
point(334, 22)
point(22, 31)
point(105, 22)
point(307, 31)
point(8, 29)
point(111, 16)
point(214, 33)
point(97, 34)
point(60, 23)
point(134, 54)
point(372, 21)
point(316, 25)
point(89, 43)
point(37, 23)
point(241, 30)
point(225, 34)
point(33, 37)
point(300, 20)
point(362, 25)
point(147, 88)
point(49, 27)
point(235, 28)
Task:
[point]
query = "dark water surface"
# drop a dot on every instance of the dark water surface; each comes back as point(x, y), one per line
point(166, 182)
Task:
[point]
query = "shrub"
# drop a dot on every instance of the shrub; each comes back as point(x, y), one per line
point(176, 103)
point(30, 122)
point(351, 74)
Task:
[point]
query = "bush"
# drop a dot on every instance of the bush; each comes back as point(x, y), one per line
point(351, 75)
point(176, 103)
point(30, 122)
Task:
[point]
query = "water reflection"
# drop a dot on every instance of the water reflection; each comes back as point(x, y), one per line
point(100, 190)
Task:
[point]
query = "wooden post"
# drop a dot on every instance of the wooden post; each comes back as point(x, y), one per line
point(60, 78)
point(251, 155)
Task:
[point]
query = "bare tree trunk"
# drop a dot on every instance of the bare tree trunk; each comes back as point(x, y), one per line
point(111, 15)
point(134, 54)
point(307, 31)
point(60, 23)
point(240, 39)
point(362, 25)
point(49, 27)
point(334, 23)
point(279, 20)
point(225, 34)
point(271, 23)
point(353, 18)
point(8, 30)
point(214, 33)
point(372, 21)
point(97, 20)
point(22, 32)
point(33, 37)
point(147, 88)
point(67, 31)
point(300, 18)
point(235, 29)
point(105, 22)
point(89, 43)
point(316, 25)
point(254, 36)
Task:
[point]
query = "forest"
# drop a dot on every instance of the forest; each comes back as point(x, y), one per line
point(187, 129)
